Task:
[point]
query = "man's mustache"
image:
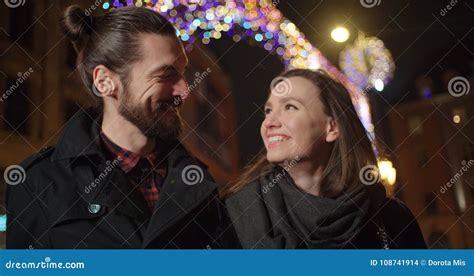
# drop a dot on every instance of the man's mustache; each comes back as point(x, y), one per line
point(171, 103)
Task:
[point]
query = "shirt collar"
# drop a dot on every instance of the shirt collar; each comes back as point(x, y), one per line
point(128, 159)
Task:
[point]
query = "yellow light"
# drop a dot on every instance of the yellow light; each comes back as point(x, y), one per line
point(340, 34)
point(291, 27)
point(370, 127)
point(392, 176)
point(388, 173)
point(384, 167)
point(456, 119)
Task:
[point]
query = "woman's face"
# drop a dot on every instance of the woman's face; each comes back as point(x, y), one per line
point(295, 124)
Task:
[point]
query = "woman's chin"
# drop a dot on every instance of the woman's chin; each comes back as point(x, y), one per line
point(276, 158)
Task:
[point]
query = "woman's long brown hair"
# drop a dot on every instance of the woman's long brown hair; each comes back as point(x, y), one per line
point(352, 149)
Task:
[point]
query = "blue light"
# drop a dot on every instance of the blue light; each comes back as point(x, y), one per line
point(247, 25)
point(258, 37)
point(227, 19)
point(427, 94)
point(106, 5)
point(196, 22)
point(185, 37)
point(269, 35)
point(3, 223)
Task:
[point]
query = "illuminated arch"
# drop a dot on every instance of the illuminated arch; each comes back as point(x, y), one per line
point(260, 21)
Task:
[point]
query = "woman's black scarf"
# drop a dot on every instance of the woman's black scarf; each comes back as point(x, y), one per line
point(273, 213)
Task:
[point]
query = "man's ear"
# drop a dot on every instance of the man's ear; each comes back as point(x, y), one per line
point(332, 130)
point(104, 82)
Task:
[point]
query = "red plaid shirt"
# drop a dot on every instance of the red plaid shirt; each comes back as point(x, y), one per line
point(145, 173)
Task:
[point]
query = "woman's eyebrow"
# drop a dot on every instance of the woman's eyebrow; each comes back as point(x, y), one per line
point(289, 98)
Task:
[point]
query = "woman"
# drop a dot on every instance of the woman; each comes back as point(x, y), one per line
point(307, 191)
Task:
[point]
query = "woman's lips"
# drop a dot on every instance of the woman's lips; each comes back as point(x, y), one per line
point(276, 140)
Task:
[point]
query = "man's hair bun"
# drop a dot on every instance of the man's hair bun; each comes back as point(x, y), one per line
point(76, 23)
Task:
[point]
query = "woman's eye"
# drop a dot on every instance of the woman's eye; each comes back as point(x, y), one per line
point(290, 107)
point(267, 111)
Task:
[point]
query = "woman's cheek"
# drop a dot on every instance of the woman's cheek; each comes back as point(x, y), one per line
point(262, 136)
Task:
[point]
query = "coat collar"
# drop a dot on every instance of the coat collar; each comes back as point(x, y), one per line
point(80, 137)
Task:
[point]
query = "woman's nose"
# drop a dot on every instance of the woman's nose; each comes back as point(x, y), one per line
point(271, 121)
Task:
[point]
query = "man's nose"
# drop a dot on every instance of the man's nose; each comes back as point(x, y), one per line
point(180, 88)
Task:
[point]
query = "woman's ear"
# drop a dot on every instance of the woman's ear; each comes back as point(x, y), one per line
point(332, 130)
point(104, 85)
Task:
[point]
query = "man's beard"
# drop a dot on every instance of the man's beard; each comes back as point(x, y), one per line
point(152, 124)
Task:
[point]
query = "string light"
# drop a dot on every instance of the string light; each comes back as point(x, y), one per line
point(367, 63)
point(259, 21)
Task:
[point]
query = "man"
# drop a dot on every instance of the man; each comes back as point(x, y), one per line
point(118, 177)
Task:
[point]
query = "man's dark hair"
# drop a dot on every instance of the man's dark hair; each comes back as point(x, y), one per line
point(111, 39)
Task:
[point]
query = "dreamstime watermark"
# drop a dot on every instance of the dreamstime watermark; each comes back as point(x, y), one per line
point(369, 3)
point(14, 3)
point(286, 167)
point(46, 264)
point(457, 176)
point(280, 86)
point(93, 7)
point(21, 78)
point(199, 77)
point(192, 175)
point(448, 7)
point(14, 175)
point(458, 86)
point(367, 90)
point(369, 175)
point(110, 165)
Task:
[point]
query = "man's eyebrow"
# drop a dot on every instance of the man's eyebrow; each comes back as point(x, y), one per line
point(164, 67)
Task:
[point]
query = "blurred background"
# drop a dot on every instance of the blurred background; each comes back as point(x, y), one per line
point(407, 64)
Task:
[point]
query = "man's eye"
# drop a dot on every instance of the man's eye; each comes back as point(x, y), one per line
point(174, 76)
point(163, 77)
point(167, 76)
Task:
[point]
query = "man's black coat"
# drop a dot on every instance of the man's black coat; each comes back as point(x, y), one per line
point(73, 197)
